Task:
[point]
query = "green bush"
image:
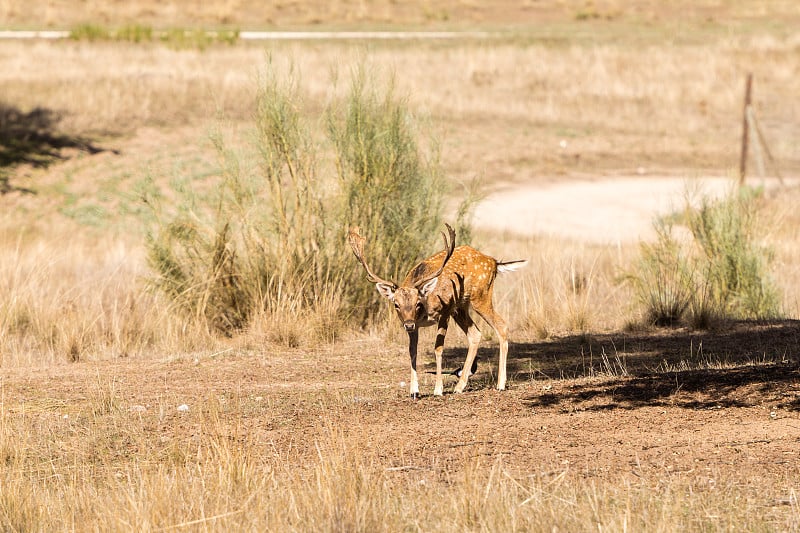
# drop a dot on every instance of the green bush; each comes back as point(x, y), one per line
point(722, 273)
point(255, 235)
point(735, 264)
point(387, 187)
point(268, 240)
point(197, 39)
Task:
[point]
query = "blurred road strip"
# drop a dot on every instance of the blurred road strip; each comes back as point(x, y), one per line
point(289, 35)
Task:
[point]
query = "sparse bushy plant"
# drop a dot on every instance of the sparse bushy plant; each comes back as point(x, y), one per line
point(388, 188)
point(269, 241)
point(721, 273)
point(257, 234)
point(735, 264)
point(90, 32)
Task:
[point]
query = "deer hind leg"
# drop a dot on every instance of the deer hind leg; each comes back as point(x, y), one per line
point(499, 325)
point(439, 387)
point(413, 341)
point(464, 321)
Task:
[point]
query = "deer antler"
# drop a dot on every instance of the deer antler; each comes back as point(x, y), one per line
point(449, 246)
point(357, 244)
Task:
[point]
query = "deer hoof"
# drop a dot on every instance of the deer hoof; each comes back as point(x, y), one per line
point(415, 396)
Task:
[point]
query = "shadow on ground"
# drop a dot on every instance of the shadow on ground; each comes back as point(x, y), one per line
point(33, 138)
point(747, 363)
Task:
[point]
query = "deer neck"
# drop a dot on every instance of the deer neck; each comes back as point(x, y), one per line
point(438, 303)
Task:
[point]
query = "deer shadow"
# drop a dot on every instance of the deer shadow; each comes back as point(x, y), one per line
point(745, 364)
point(33, 138)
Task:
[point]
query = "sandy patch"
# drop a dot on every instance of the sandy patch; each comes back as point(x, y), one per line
point(607, 210)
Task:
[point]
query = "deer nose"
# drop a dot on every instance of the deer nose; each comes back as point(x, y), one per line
point(409, 325)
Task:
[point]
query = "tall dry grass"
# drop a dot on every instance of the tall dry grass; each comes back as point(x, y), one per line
point(671, 106)
point(566, 288)
point(104, 466)
point(69, 297)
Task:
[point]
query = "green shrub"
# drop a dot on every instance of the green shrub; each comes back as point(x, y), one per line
point(735, 264)
point(268, 240)
point(135, 33)
point(721, 273)
point(254, 235)
point(200, 39)
point(387, 187)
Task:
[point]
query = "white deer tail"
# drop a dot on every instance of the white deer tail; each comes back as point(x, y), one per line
point(510, 266)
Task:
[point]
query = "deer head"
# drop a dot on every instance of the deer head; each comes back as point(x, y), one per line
point(410, 301)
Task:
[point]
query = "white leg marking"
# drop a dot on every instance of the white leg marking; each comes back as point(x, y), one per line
point(414, 383)
point(501, 371)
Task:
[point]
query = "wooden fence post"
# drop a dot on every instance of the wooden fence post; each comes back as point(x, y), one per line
point(745, 122)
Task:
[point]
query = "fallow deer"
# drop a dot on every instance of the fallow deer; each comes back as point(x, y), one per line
point(447, 284)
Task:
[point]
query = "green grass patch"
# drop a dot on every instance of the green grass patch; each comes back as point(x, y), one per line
point(136, 33)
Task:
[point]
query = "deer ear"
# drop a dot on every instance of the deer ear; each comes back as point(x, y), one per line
point(386, 290)
point(428, 287)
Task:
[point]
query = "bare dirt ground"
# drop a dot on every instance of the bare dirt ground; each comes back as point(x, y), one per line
point(609, 407)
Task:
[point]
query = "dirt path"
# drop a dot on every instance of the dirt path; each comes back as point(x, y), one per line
point(616, 209)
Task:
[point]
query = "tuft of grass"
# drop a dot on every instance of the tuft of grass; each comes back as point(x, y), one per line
point(134, 33)
point(90, 32)
point(663, 281)
point(197, 39)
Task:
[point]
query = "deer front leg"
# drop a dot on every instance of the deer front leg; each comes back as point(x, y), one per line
point(440, 335)
point(413, 341)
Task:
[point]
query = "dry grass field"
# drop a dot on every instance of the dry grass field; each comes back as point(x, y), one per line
point(118, 413)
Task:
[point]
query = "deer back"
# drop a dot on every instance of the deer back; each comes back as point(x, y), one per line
point(468, 275)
